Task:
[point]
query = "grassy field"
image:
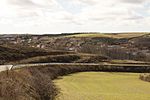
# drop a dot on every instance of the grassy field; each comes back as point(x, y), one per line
point(122, 35)
point(103, 86)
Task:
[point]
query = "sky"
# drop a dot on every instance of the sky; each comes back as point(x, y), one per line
point(59, 16)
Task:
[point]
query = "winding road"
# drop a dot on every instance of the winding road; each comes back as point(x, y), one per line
point(11, 67)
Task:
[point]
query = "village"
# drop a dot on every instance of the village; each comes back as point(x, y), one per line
point(128, 48)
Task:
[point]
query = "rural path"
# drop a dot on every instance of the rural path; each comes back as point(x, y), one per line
point(10, 67)
point(5, 67)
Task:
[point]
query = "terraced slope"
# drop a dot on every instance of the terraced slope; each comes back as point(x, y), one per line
point(12, 53)
point(103, 86)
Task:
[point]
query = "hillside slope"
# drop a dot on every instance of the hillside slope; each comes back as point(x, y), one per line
point(16, 52)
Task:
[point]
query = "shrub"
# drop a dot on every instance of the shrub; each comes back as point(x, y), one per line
point(145, 77)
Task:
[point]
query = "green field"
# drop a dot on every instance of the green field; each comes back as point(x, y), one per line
point(103, 86)
point(121, 35)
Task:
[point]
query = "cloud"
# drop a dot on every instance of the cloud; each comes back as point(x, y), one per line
point(134, 1)
point(78, 15)
point(21, 2)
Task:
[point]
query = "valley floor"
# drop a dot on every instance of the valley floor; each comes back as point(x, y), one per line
point(102, 86)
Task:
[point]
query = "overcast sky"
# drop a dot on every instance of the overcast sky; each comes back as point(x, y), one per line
point(52, 16)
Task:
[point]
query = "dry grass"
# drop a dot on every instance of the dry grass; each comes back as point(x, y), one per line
point(65, 58)
point(128, 62)
point(26, 84)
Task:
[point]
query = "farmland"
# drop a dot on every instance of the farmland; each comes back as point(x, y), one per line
point(102, 86)
point(108, 35)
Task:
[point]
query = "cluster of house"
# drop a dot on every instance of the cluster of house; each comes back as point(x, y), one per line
point(22, 40)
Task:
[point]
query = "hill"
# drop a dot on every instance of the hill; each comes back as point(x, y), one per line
point(13, 53)
point(16, 52)
point(118, 46)
point(141, 41)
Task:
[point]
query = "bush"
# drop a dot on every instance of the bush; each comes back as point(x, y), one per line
point(145, 77)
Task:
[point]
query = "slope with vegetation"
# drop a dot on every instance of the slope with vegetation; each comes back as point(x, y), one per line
point(64, 58)
point(35, 83)
point(13, 53)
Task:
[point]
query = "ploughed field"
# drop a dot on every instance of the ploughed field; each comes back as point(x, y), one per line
point(102, 86)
